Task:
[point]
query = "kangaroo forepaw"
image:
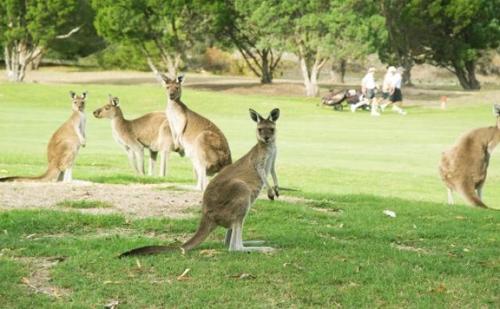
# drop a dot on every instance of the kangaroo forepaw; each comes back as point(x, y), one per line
point(270, 194)
point(276, 191)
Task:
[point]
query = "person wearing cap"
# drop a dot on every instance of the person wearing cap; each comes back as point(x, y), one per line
point(386, 86)
point(393, 82)
point(368, 87)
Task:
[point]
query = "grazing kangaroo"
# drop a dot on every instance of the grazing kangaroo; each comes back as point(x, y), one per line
point(63, 145)
point(232, 192)
point(150, 131)
point(203, 142)
point(463, 168)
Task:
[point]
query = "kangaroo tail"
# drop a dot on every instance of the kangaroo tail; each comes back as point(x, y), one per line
point(205, 228)
point(148, 250)
point(471, 196)
point(50, 174)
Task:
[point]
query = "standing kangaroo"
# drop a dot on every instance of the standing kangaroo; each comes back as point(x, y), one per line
point(203, 142)
point(463, 168)
point(150, 131)
point(63, 145)
point(232, 192)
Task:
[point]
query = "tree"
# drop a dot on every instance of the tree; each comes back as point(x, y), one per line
point(401, 43)
point(313, 30)
point(162, 30)
point(449, 34)
point(359, 37)
point(240, 24)
point(81, 43)
point(27, 27)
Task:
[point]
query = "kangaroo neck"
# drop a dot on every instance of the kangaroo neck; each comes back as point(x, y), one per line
point(176, 105)
point(118, 119)
point(266, 146)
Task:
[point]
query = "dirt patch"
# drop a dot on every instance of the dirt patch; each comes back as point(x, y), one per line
point(133, 200)
point(39, 279)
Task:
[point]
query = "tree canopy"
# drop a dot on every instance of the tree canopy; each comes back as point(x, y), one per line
point(27, 27)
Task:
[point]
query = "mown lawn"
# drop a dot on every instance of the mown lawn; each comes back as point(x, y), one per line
point(339, 249)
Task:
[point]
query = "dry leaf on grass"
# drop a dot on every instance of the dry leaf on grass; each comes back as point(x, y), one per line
point(389, 213)
point(184, 276)
point(244, 276)
point(293, 265)
point(209, 252)
point(112, 304)
point(441, 288)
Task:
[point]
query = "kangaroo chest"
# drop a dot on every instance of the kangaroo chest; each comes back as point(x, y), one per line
point(116, 135)
point(264, 165)
point(176, 117)
point(82, 123)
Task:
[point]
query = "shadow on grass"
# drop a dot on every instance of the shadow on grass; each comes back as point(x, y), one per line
point(132, 179)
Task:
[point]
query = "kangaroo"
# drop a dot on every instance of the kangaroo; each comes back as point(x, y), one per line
point(233, 191)
point(203, 142)
point(63, 145)
point(150, 131)
point(463, 168)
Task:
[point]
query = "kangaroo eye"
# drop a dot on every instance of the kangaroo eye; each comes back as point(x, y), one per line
point(106, 108)
point(260, 130)
point(271, 130)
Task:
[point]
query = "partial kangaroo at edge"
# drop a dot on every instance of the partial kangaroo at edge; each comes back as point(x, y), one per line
point(150, 131)
point(203, 142)
point(63, 145)
point(464, 167)
point(233, 191)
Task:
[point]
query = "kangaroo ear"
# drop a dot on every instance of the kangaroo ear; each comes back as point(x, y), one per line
point(165, 78)
point(255, 116)
point(85, 94)
point(180, 79)
point(115, 101)
point(72, 94)
point(274, 115)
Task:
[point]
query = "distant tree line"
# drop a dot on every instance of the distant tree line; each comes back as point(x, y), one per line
point(164, 34)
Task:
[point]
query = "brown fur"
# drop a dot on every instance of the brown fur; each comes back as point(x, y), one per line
point(464, 167)
point(63, 146)
point(150, 131)
point(203, 142)
point(229, 196)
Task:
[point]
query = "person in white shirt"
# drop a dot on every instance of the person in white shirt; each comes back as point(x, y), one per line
point(391, 89)
point(368, 88)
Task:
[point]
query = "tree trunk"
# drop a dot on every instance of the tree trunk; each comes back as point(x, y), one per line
point(466, 75)
point(310, 74)
point(343, 66)
point(406, 62)
point(14, 63)
point(266, 76)
point(17, 58)
point(338, 71)
point(35, 64)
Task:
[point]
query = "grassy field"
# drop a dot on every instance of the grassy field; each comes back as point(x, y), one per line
point(338, 249)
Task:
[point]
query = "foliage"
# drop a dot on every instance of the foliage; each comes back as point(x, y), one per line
point(449, 34)
point(242, 24)
point(162, 31)
point(27, 27)
point(84, 42)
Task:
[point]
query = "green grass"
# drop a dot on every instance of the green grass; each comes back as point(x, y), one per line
point(84, 204)
point(338, 249)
